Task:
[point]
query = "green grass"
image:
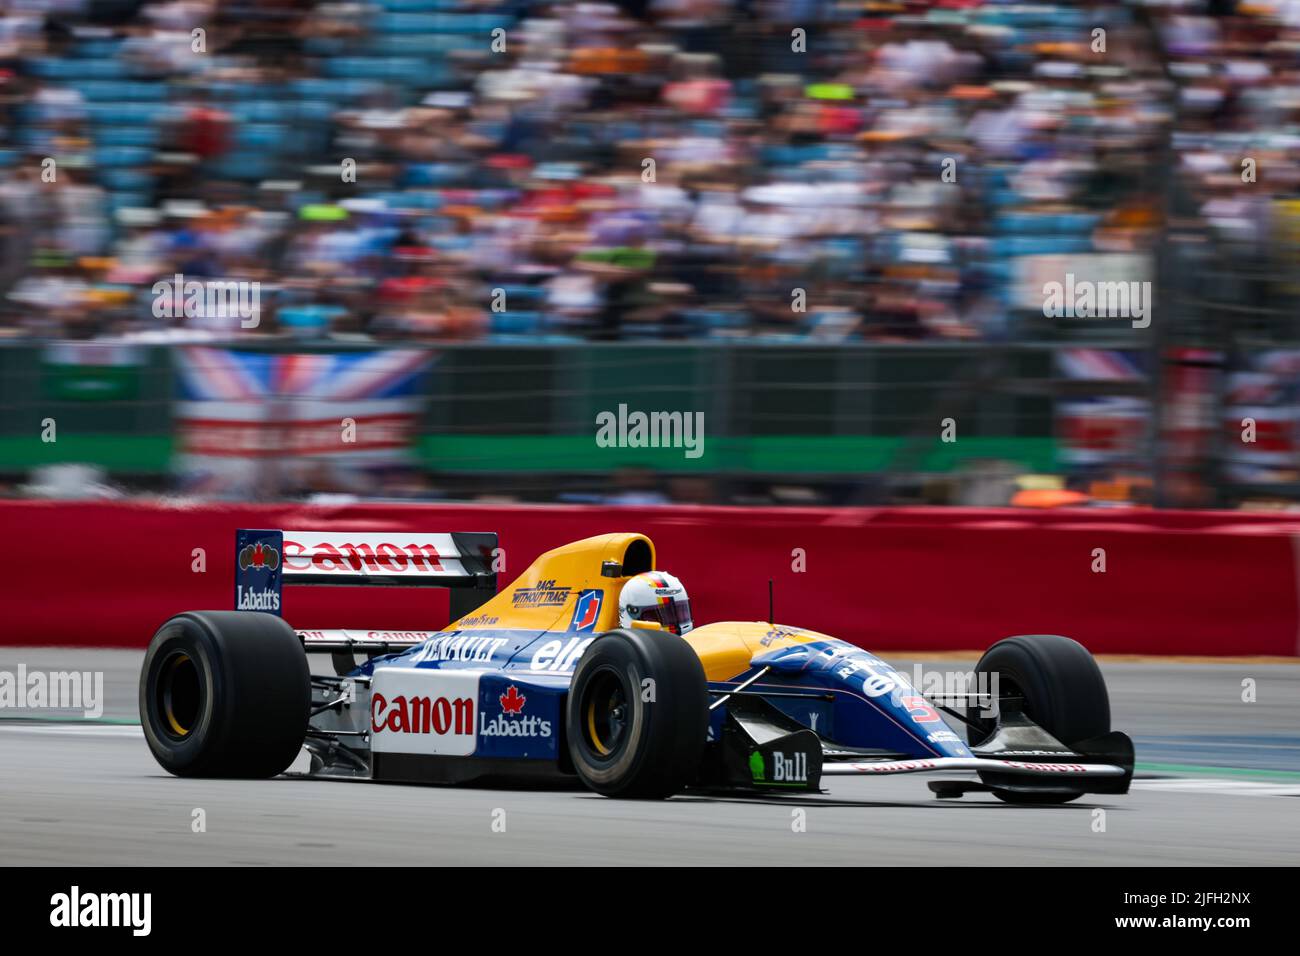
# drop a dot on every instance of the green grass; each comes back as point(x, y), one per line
point(765, 454)
point(1184, 769)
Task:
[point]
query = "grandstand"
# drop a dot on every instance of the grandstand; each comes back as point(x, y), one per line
point(854, 187)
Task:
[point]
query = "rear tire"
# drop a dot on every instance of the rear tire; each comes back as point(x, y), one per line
point(225, 694)
point(623, 745)
point(1064, 693)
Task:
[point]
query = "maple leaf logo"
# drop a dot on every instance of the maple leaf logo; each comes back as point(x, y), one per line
point(511, 701)
point(258, 556)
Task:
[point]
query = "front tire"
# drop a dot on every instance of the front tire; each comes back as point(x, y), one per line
point(638, 714)
point(225, 694)
point(1063, 692)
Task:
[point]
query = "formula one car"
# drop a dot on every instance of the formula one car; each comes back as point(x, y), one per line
point(540, 681)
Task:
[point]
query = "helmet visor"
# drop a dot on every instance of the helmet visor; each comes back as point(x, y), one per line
point(674, 615)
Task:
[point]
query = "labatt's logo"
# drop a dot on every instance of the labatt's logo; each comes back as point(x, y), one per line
point(512, 722)
point(257, 557)
point(252, 599)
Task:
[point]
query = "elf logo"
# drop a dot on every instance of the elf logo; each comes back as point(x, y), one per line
point(559, 656)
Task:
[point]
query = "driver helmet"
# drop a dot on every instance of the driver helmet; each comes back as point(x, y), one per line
point(655, 596)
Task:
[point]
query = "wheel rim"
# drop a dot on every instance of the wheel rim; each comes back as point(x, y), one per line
point(604, 712)
point(179, 695)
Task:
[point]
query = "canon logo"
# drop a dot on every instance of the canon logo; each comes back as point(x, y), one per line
point(440, 716)
point(897, 766)
point(1049, 767)
point(350, 557)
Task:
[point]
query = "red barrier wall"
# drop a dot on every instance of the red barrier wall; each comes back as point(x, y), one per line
point(890, 579)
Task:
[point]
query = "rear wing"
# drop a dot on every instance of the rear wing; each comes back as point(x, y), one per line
point(266, 561)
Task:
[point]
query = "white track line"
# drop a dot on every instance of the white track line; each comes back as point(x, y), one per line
point(1233, 787)
point(87, 729)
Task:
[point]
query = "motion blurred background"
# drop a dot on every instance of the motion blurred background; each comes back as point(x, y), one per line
point(458, 244)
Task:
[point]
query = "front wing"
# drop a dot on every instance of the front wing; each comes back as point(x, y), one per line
point(756, 746)
point(966, 764)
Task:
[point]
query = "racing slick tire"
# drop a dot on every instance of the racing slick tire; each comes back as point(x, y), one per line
point(638, 714)
point(225, 694)
point(1063, 690)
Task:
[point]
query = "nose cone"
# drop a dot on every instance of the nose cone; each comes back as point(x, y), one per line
point(875, 705)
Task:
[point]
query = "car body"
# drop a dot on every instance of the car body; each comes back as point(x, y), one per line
point(494, 695)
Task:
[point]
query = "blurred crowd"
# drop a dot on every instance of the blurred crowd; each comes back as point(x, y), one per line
point(516, 171)
point(525, 171)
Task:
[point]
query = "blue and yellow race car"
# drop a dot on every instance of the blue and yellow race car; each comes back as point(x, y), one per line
point(549, 678)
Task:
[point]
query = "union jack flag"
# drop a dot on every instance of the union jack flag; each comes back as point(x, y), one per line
point(348, 409)
point(1101, 429)
point(209, 374)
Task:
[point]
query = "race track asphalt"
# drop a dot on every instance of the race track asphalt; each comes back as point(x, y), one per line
point(1218, 783)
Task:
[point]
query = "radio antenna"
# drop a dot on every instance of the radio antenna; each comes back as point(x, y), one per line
point(771, 615)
